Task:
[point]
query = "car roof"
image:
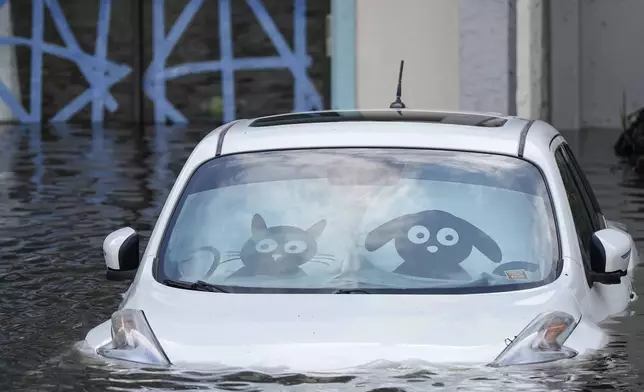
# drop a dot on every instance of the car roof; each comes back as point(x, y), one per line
point(393, 128)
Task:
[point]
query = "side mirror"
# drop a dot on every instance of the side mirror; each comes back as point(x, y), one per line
point(121, 252)
point(609, 255)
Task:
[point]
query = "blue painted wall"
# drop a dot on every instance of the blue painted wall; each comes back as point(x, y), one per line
point(214, 47)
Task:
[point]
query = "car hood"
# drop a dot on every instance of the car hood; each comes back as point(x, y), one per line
point(311, 332)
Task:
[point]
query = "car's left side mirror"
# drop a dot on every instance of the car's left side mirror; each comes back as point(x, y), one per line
point(121, 252)
point(610, 255)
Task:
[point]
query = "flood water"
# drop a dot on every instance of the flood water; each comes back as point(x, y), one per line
point(63, 189)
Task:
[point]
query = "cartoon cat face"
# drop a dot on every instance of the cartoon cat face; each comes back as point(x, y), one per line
point(433, 239)
point(279, 249)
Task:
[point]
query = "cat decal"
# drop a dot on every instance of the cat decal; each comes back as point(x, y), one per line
point(279, 250)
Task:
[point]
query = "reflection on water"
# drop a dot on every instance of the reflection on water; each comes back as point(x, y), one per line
point(62, 189)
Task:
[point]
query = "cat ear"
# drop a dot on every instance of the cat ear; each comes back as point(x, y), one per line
point(258, 225)
point(317, 229)
point(384, 233)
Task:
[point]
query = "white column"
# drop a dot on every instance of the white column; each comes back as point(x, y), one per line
point(565, 70)
point(8, 64)
point(532, 49)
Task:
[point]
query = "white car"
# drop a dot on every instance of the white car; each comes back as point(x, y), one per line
point(465, 238)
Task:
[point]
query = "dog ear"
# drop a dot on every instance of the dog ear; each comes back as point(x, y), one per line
point(317, 229)
point(483, 242)
point(384, 233)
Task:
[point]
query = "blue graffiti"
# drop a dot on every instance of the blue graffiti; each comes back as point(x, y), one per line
point(97, 70)
point(306, 95)
point(103, 74)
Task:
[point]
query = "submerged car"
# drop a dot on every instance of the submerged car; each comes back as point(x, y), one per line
point(462, 238)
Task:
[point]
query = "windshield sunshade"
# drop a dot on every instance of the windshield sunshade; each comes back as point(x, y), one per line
point(363, 221)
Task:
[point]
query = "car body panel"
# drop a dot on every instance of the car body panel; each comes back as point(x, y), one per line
point(327, 331)
point(600, 301)
point(373, 134)
point(338, 331)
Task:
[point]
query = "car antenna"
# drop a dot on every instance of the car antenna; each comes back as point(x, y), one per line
point(398, 103)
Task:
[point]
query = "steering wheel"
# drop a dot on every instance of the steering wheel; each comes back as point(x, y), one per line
point(216, 256)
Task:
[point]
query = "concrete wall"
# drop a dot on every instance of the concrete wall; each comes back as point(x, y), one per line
point(458, 54)
point(570, 62)
point(564, 67)
point(224, 59)
point(483, 55)
point(423, 33)
point(612, 62)
point(595, 61)
point(488, 55)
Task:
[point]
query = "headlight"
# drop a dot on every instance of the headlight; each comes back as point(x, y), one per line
point(133, 340)
point(541, 341)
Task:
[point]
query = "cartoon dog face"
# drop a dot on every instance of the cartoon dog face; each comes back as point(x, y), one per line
point(432, 240)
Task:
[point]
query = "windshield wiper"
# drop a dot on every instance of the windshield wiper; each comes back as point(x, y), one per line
point(197, 286)
point(214, 288)
point(350, 291)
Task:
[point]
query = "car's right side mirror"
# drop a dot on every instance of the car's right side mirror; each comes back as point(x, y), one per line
point(610, 255)
point(121, 252)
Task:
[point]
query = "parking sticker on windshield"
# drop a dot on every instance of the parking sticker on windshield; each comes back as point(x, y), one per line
point(518, 274)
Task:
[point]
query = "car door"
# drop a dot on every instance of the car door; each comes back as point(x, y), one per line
point(603, 300)
point(600, 221)
point(582, 216)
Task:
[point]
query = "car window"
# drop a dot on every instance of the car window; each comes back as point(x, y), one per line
point(584, 186)
point(390, 219)
point(580, 214)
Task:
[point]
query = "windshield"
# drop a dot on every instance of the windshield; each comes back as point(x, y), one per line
point(373, 219)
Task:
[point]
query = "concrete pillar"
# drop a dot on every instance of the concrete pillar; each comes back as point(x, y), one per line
point(8, 64)
point(488, 55)
point(565, 82)
point(532, 59)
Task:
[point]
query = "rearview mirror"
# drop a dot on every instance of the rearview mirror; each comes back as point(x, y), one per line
point(121, 252)
point(610, 255)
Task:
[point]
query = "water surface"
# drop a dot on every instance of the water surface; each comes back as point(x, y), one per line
point(62, 189)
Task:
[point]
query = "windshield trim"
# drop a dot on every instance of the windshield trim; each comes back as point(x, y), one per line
point(555, 272)
point(233, 289)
